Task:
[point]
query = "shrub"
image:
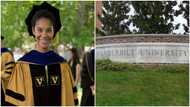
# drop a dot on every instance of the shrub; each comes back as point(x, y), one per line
point(108, 65)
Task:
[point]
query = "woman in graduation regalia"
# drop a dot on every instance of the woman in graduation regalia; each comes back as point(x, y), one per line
point(74, 63)
point(42, 77)
point(87, 79)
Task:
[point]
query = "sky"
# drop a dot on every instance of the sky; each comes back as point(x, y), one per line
point(179, 19)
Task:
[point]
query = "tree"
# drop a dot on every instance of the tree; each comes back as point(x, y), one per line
point(12, 22)
point(154, 17)
point(184, 10)
point(113, 18)
point(150, 17)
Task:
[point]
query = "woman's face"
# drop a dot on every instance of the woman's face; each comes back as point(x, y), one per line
point(43, 31)
point(70, 55)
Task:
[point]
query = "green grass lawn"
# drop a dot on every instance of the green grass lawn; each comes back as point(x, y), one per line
point(146, 86)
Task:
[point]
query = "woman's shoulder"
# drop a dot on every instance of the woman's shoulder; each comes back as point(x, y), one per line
point(26, 56)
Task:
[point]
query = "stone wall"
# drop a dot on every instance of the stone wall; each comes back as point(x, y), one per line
point(142, 38)
point(144, 48)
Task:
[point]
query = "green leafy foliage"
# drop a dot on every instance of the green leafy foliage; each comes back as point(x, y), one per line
point(150, 17)
point(113, 14)
point(153, 17)
point(107, 65)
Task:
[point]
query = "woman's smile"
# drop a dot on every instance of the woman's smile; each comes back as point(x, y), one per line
point(44, 42)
